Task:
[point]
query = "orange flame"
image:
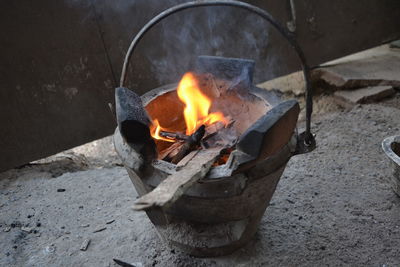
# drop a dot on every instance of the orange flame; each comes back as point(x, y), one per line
point(197, 106)
point(155, 132)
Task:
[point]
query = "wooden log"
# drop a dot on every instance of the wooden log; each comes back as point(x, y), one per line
point(214, 128)
point(175, 185)
point(213, 137)
point(177, 151)
point(190, 144)
point(174, 136)
point(168, 153)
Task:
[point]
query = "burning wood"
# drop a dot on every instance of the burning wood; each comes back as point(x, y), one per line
point(185, 144)
point(198, 101)
point(175, 185)
point(190, 144)
point(179, 150)
point(174, 136)
point(196, 111)
point(170, 152)
point(212, 130)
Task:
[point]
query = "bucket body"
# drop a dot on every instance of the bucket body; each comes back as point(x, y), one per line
point(217, 215)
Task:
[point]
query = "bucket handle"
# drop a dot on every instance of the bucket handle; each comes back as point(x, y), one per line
point(306, 141)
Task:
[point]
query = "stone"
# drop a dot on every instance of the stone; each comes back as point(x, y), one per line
point(364, 95)
point(26, 229)
point(395, 44)
point(372, 71)
point(85, 245)
point(289, 84)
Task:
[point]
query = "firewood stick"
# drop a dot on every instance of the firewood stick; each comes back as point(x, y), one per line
point(169, 152)
point(174, 136)
point(212, 132)
point(191, 143)
point(187, 158)
point(175, 185)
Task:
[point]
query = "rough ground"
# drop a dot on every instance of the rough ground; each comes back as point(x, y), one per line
point(333, 207)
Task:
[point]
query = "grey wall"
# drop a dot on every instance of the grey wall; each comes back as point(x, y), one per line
point(60, 59)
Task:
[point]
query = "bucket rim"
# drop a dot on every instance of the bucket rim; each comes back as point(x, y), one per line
point(387, 148)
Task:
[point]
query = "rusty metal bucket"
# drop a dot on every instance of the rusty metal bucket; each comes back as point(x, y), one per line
point(219, 213)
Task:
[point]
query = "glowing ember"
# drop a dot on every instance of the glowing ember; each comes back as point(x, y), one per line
point(197, 106)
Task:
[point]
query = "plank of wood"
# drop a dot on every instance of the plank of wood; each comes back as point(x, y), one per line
point(187, 159)
point(169, 190)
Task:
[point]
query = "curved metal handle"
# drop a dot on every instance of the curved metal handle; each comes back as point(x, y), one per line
point(308, 138)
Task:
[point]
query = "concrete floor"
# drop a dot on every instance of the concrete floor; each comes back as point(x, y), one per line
point(332, 207)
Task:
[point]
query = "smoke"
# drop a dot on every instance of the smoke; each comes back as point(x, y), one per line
point(215, 31)
point(171, 47)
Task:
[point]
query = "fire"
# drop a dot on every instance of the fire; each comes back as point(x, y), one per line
point(155, 132)
point(197, 107)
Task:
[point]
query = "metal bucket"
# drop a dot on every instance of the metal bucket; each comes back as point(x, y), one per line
point(391, 147)
point(218, 214)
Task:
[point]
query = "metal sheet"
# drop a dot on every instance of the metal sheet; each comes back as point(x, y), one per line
point(55, 81)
